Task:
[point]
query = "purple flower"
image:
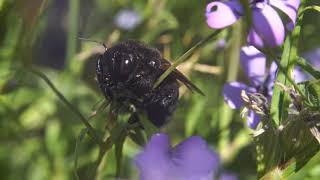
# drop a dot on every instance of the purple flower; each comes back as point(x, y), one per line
point(192, 159)
point(313, 57)
point(267, 26)
point(228, 176)
point(127, 19)
point(253, 63)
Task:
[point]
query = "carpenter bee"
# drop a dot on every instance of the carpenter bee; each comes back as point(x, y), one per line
point(126, 74)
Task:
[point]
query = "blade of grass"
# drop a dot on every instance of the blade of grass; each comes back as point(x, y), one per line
point(281, 99)
point(226, 113)
point(184, 57)
point(91, 131)
point(76, 151)
point(278, 108)
point(73, 22)
point(308, 67)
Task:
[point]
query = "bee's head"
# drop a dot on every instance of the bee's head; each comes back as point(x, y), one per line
point(120, 62)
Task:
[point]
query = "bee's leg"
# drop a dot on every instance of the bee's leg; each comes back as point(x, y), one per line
point(160, 106)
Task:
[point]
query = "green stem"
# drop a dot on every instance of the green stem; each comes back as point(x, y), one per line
point(91, 131)
point(184, 57)
point(226, 113)
point(281, 99)
point(73, 22)
point(308, 67)
point(107, 145)
point(283, 70)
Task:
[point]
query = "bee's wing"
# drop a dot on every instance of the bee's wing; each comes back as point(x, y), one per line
point(165, 64)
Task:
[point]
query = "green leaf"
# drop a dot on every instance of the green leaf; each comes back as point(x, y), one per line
point(118, 151)
point(137, 137)
point(286, 150)
point(299, 145)
point(267, 155)
point(305, 170)
point(314, 8)
point(312, 92)
point(279, 102)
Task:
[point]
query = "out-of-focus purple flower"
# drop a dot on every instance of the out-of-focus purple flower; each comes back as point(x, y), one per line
point(228, 176)
point(253, 63)
point(221, 44)
point(192, 159)
point(267, 26)
point(313, 57)
point(127, 19)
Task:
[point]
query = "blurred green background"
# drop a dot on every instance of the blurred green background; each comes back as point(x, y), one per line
point(38, 133)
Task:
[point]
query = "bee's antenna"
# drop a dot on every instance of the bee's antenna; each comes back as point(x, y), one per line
point(91, 40)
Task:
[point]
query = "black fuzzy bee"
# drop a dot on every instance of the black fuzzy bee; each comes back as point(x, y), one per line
point(126, 74)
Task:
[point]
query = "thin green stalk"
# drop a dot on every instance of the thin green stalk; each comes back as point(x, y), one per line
point(282, 69)
point(99, 165)
point(91, 131)
point(281, 99)
point(73, 23)
point(305, 65)
point(290, 80)
point(184, 57)
point(76, 151)
point(226, 113)
point(314, 7)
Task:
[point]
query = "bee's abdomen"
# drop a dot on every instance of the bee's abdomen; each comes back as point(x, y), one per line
point(162, 103)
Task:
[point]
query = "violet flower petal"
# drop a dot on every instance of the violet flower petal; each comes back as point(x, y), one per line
point(232, 94)
point(313, 57)
point(222, 14)
point(299, 75)
point(268, 25)
point(253, 119)
point(157, 150)
point(192, 159)
point(253, 63)
point(228, 176)
point(290, 8)
point(127, 19)
point(254, 39)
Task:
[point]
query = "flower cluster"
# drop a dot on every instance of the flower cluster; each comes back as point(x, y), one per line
point(192, 159)
point(267, 28)
point(253, 63)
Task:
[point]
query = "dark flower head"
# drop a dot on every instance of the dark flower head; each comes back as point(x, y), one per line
point(267, 26)
point(192, 159)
